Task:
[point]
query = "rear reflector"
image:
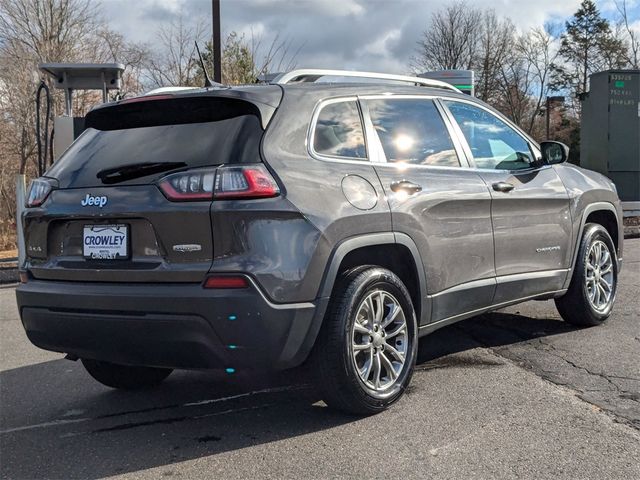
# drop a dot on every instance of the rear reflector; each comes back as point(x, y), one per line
point(226, 281)
point(24, 277)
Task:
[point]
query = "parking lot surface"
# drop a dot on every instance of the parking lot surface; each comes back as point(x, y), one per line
point(512, 394)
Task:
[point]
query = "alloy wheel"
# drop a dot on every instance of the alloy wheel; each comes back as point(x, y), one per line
point(379, 340)
point(599, 276)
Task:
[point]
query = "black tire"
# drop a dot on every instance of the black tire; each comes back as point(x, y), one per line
point(575, 306)
point(338, 381)
point(125, 377)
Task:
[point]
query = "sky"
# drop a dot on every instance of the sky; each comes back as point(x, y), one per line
point(379, 35)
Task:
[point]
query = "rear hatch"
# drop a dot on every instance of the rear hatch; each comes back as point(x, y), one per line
point(130, 198)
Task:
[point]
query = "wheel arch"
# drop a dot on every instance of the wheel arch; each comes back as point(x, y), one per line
point(353, 249)
point(603, 213)
point(608, 220)
point(394, 251)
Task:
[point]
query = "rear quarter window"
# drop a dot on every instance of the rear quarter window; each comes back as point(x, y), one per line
point(338, 131)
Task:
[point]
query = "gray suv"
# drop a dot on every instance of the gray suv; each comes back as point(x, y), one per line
point(262, 227)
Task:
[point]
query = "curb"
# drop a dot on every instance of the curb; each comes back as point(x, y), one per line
point(9, 275)
point(631, 227)
point(9, 271)
point(631, 232)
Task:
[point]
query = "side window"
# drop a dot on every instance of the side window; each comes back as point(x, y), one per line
point(412, 131)
point(338, 131)
point(493, 143)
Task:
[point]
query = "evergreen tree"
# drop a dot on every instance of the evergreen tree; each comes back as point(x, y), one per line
point(587, 46)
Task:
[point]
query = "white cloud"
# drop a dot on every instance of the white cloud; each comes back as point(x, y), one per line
point(330, 8)
point(357, 34)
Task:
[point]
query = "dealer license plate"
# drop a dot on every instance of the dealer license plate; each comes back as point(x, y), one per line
point(105, 242)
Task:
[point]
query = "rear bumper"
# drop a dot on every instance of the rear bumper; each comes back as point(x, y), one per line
point(168, 325)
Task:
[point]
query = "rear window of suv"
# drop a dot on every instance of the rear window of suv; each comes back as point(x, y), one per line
point(196, 132)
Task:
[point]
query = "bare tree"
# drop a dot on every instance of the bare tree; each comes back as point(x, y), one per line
point(47, 30)
point(35, 31)
point(462, 37)
point(174, 61)
point(31, 32)
point(515, 88)
point(111, 46)
point(526, 78)
point(243, 60)
point(278, 57)
point(451, 40)
point(513, 71)
point(494, 49)
point(632, 53)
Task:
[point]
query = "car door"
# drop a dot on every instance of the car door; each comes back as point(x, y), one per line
point(436, 199)
point(530, 205)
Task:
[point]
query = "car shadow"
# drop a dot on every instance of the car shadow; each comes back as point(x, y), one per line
point(495, 329)
point(59, 423)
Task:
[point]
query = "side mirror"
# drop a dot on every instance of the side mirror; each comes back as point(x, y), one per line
point(554, 152)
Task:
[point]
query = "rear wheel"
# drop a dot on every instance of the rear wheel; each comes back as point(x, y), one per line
point(592, 290)
point(366, 351)
point(125, 377)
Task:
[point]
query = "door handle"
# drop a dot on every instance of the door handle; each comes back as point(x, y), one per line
point(502, 187)
point(406, 186)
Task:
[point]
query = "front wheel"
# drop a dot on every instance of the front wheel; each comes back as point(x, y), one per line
point(123, 376)
point(366, 351)
point(593, 286)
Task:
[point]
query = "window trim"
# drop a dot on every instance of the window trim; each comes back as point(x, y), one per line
point(312, 129)
point(533, 147)
point(380, 157)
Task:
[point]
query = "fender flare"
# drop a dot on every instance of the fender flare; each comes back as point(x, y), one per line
point(369, 240)
point(589, 209)
point(331, 273)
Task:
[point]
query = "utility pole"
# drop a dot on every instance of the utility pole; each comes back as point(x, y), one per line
point(548, 116)
point(217, 49)
point(551, 100)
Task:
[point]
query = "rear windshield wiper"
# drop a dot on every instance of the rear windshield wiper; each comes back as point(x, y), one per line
point(136, 170)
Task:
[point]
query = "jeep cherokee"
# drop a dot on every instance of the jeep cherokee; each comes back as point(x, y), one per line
point(265, 226)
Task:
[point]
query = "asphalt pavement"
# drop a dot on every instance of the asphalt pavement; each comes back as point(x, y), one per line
point(512, 394)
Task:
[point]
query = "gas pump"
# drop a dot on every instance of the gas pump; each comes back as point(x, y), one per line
point(66, 128)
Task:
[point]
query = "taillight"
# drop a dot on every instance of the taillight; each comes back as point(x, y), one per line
point(251, 181)
point(188, 186)
point(39, 190)
point(226, 182)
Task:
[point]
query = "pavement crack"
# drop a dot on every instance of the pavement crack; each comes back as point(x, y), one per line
point(164, 421)
point(553, 376)
point(124, 426)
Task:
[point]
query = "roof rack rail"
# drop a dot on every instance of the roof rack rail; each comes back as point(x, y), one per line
point(305, 75)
